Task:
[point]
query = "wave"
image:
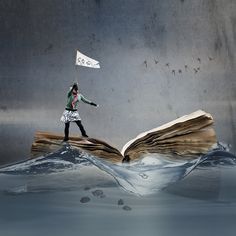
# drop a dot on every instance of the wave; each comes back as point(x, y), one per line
point(146, 176)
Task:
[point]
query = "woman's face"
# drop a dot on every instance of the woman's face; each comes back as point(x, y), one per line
point(75, 91)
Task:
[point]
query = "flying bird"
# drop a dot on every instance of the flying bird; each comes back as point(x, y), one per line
point(145, 62)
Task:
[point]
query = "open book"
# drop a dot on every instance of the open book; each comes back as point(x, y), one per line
point(185, 138)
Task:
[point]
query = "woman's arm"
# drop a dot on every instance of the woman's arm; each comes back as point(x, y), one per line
point(74, 86)
point(69, 92)
point(85, 100)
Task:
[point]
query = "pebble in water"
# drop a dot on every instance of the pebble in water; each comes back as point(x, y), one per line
point(144, 176)
point(120, 202)
point(98, 193)
point(87, 188)
point(84, 199)
point(127, 208)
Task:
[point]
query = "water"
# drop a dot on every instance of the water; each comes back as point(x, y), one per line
point(73, 193)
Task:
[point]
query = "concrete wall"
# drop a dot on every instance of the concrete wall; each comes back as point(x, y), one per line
point(159, 60)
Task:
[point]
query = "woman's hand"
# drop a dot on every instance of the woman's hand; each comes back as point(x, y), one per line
point(94, 104)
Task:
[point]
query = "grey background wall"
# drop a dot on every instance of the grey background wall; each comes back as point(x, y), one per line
point(159, 60)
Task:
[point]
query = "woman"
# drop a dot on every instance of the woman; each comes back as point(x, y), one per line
point(71, 113)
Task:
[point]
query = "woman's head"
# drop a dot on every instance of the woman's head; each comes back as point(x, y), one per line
point(75, 88)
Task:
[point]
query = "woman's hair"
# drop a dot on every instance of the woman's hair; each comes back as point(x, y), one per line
point(75, 86)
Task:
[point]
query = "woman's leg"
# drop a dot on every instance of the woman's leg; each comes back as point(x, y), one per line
point(83, 132)
point(66, 131)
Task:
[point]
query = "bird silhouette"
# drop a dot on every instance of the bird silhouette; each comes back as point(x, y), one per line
point(145, 62)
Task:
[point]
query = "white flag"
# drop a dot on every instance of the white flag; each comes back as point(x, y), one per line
point(82, 60)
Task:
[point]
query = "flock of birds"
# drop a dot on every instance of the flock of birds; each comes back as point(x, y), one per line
point(186, 67)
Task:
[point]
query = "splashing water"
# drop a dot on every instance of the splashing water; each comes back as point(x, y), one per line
point(146, 176)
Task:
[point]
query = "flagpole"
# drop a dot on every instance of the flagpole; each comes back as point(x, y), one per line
point(76, 69)
point(83, 60)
